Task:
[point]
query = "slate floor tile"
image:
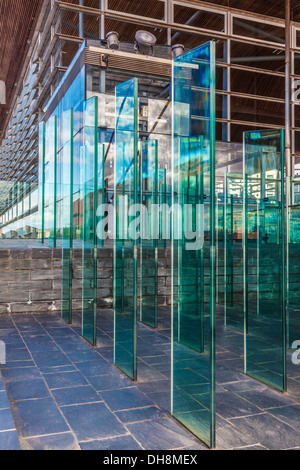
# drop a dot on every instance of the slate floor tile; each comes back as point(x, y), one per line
point(125, 399)
point(82, 356)
point(254, 447)
point(288, 414)
point(157, 386)
point(93, 421)
point(38, 417)
point(116, 443)
point(140, 414)
point(162, 399)
point(56, 358)
point(266, 398)
point(75, 395)
point(4, 403)
point(229, 405)
point(268, 431)
point(18, 373)
point(58, 369)
point(18, 355)
point(9, 440)
point(146, 373)
point(93, 368)
point(27, 389)
point(161, 434)
point(228, 436)
point(65, 441)
point(18, 364)
point(65, 379)
point(243, 386)
point(226, 376)
point(110, 382)
point(6, 420)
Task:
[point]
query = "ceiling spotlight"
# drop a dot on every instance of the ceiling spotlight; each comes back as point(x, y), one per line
point(144, 42)
point(177, 50)
point(112, 39)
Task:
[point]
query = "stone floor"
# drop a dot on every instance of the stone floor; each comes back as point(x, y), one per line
point(64, 394)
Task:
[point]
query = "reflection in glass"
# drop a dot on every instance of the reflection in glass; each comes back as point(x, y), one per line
point(125, 246)
point(89, 185)
point(293, 264)
point(66, 196)
point(149, 247)
point(193, 257)
point(234, 298)
point(264, 239)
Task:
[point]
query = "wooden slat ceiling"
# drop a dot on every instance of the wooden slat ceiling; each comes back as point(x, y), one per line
point(18, 18)
point(17, 21)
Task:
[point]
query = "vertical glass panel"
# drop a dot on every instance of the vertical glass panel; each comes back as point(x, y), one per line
point(293, 290)
point(125, 247)
point(41, 179)
point(193, 240)
point(234, 287)
point(101, 186)
point(265, 355)
point(164, 200)
point(66, 195)
point(50, 181)
point(90, 196)
point(149, 247)
point(220, 249)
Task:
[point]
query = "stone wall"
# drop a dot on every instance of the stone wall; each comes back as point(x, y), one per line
point(30, 279)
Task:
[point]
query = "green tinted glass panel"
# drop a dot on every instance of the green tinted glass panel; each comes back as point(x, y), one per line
point(50, 176)
point(90, 197)
point(149, 246)
point(265, 355)
point(193, 259)
point(164, 200)
point(101, 185)
point(125, 247)
point(41, 179)
point(234, 297)
point(66, 200)
point(293, 290)
point(220, 252)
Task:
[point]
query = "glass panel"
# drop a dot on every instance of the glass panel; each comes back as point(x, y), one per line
point(101, 189)
point(149, 247)
point(293, 265)
point(125, 247)
point(50, 181)
point(66, 195)
point(90, 190)
point(265, 355)
point(193, 258)
point(234, 297)
point(220, 253)
point(41, 178)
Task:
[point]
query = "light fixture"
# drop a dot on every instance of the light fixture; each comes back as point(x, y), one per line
point(144, 42)
point(177, 50)
point(112, 39)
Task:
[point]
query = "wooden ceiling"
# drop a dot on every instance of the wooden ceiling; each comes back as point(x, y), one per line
point(17, 21)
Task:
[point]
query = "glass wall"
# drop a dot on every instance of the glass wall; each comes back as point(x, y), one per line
point(293, 290)
point(66, 197)
point(193, 257)
point(50, 179)
point(89, 167)
point(234, 286)
point(264, 250)
point(125, 245)
point(149, 243)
